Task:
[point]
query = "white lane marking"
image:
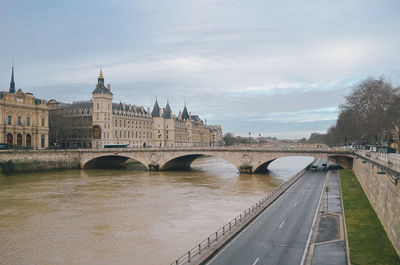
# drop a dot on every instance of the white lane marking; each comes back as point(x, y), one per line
point(289, 190)
point(303, 259)
point(295, 204)
point(255, 262)
point(281, 224)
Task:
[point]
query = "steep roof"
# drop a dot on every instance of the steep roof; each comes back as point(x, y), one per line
point(167, 112)
point(185, 114)
point(79, 105)
point(156, 110)
point(124, 107)
point(100, 88)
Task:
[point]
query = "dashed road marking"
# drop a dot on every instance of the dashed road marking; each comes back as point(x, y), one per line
point(281, 224)
point(255, 262)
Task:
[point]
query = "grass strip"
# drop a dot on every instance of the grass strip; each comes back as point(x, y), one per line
point(368, 242)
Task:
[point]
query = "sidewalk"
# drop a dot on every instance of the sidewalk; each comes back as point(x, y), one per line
point(329, 243)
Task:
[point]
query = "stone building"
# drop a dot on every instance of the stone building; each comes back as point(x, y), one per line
point(23, 118)
point(100, 123)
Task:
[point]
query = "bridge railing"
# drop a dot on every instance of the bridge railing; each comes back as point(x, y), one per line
point(235, 223)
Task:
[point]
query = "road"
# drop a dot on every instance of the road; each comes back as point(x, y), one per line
point(279, 235)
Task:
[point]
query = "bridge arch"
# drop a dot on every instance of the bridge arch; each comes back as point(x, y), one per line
point(344, 161)
point(109, 161)
point(263, 168)
point(184, 161)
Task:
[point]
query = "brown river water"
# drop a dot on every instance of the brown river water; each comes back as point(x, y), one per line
point(125, 216)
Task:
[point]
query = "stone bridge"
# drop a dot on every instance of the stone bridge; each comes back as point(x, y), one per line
point(250, 160)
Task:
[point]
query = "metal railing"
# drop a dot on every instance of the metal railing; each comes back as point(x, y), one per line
point(239, 220)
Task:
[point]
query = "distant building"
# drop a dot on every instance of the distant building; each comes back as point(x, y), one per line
point(100, 122)
point(23, 118)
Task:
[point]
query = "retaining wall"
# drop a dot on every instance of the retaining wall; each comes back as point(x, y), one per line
point(381, 190)
point(38, 160)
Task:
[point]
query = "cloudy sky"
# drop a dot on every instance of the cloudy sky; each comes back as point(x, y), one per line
point(279, 68)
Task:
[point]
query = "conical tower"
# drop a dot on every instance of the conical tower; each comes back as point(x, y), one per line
point(12, 83)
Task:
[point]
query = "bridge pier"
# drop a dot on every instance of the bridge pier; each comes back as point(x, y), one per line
point(246, 169)
point(154, 167)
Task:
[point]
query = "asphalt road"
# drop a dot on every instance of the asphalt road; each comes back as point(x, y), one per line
point(279, 235)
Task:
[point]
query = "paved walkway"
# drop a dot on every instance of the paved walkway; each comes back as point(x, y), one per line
point(329, 243)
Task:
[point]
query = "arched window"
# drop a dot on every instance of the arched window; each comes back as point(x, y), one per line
point(28, 140)
point(10, 138)
point(19, 139)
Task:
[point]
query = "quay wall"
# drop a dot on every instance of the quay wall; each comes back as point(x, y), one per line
point(23, 161)
point(381, 189)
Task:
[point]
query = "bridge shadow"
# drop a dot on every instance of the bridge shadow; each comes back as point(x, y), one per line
point(114, 162)
point(181, 163)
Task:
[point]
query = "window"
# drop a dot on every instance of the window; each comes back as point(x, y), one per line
point(116, 123)
point(19, 120)
point(98, 106)
point(42, 140)
point(124, 123)
point(28, 121)
point(116, 134)
point(9, 120)
point(43, 119)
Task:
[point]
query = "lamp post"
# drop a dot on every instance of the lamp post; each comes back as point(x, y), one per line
point(259, 140)
point(249, 139)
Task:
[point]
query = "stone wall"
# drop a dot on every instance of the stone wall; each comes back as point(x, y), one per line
point(381, 190)
point(39, 160)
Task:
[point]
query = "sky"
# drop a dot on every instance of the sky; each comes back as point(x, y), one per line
point(275, 68)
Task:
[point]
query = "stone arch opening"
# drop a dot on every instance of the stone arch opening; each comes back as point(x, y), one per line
point(343, 161)
point(184, 162)
point(263, 168)
point(108, 162)
point(180, 163)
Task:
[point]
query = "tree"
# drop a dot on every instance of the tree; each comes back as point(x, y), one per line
point(368, 110)
point(372, 108)
point(229, 139)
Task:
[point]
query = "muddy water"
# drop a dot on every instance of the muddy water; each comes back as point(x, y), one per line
point(124, 216)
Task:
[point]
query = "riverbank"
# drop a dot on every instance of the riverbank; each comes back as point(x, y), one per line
point(368, 242)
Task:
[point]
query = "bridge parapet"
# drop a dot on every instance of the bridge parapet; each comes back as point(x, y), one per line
point(391, 161)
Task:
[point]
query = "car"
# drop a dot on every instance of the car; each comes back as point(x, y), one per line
point(314, 168)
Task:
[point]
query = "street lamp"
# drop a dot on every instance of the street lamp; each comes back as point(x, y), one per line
point(249, 139)
point(259, 140)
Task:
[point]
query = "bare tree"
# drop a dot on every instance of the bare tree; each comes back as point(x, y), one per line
point(366, 113)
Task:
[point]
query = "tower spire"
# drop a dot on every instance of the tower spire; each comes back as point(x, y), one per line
point(100, 79)
point(12, 83)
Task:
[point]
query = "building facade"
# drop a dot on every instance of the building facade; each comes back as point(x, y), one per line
point(23, 119)
point(100, 123)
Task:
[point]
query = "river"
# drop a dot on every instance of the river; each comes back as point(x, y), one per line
point(124, 216)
